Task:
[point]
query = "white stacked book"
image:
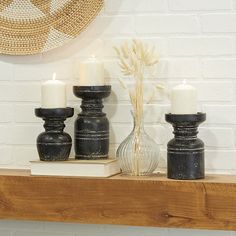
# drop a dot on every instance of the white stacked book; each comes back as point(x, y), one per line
point(82, 168)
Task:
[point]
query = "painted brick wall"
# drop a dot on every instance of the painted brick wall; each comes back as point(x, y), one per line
point(196, 41)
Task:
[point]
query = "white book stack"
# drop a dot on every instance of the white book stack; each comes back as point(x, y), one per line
point(80, 168)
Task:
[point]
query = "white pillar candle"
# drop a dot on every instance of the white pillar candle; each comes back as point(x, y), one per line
point(53, 93)
point(184, 99)
point(91, 72)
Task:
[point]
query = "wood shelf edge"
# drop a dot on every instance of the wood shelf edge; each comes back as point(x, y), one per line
point(137, 201)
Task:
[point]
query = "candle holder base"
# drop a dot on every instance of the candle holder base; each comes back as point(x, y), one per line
point(185, 152)
point(92, 125)
point(54, 144)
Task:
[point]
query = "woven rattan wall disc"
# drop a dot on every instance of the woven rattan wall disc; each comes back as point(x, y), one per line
point(36, 26)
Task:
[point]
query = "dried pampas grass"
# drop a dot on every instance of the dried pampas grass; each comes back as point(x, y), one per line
point(135, 58)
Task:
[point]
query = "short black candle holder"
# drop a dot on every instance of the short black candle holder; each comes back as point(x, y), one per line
point(185, 152)
point(92, 125)
point(54, 144)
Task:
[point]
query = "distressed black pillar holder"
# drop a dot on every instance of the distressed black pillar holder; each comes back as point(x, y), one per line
point(54, 144)
point(92, 125)
point(185, 152)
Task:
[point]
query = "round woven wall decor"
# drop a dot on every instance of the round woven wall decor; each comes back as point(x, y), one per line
point(36, 26)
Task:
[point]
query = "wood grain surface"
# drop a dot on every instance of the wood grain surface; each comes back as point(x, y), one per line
point(139, 201)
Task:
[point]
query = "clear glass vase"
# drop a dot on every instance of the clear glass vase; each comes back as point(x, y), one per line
point(138, 154)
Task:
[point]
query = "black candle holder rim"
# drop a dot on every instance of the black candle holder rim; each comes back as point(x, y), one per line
point(54, 112)
point(92, 92)
point(93, 88)
point(104, 85)
point(198, 117)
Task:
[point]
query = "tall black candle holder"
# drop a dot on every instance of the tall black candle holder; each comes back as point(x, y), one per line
point(92, 125)
point(185, 152)
point(54, 144)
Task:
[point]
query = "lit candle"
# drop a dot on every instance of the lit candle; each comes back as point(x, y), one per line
point(91, 72)
point(184, 99)
point(53, 93)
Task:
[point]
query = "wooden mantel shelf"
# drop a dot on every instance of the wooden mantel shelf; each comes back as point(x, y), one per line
point(145, 201)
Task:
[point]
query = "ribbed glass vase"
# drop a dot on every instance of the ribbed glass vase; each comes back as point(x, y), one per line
point(138, 154)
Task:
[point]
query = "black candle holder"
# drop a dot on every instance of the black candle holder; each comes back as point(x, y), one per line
point(185, 152)
point(92, 125)
point(54, 144)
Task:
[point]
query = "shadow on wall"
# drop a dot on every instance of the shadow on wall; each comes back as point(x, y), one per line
point(82, 43)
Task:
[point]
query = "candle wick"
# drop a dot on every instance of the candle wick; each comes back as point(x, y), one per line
point(54, 76)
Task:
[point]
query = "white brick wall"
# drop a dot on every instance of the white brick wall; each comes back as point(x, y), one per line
point(202, 46)
point(200, 5)
point(218, 23)
point(173, 23)
point(196, 41)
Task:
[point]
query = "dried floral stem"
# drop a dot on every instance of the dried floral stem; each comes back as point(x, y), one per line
point(134, 59)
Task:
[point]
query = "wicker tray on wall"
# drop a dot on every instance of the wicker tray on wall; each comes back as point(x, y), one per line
point(36, 26)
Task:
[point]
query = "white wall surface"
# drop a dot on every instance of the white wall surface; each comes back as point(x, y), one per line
point(17, 228)
point(196, 41)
